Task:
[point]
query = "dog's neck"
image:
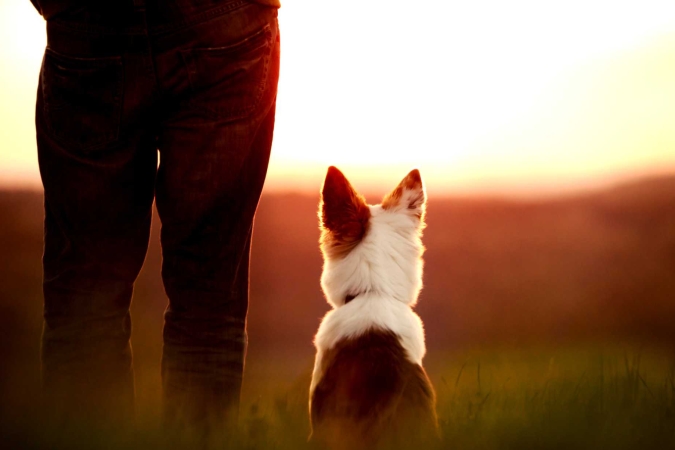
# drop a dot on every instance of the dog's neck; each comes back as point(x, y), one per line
point(351, 297)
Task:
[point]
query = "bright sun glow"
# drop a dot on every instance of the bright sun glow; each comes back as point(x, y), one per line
point(515, 97)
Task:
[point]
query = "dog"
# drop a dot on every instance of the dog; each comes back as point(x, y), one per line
point(368, 388)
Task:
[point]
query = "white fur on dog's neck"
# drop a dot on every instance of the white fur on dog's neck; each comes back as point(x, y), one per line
point(369, 311)
point(384, 271)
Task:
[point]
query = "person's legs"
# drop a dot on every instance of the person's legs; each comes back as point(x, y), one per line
point(214, 149)
point(98, 163)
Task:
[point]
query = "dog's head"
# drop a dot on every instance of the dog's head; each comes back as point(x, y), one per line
point(371, 249)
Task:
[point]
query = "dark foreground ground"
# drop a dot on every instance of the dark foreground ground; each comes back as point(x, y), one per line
point(550, 324)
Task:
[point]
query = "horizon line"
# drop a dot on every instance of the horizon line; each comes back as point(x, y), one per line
point(530, 190)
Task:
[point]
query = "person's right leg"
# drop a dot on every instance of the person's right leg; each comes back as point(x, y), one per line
point(220, 78)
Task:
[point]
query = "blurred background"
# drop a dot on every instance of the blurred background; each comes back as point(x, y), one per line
point(545, 133)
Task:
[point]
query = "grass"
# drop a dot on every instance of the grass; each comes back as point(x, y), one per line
point(577, 399)
point(573, 397)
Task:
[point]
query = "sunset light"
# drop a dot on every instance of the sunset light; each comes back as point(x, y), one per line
point(463, 236)
point(516, 98)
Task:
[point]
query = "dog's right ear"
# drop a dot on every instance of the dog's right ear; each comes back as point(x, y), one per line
point(343, 214)
point(409, 197)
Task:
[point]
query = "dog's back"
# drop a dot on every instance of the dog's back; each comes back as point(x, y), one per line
point(370, 394)
point(368, 388)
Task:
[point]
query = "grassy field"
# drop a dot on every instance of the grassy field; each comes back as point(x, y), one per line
point(574, 398)
point(551, 397)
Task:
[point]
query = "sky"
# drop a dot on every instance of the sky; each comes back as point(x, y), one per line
point(522, 98)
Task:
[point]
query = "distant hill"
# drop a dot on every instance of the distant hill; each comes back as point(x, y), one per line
point(595, 265)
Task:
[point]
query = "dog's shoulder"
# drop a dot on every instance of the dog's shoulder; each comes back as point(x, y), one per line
point(367, 318)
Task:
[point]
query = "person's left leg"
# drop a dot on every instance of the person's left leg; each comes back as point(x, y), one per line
point(98, 161)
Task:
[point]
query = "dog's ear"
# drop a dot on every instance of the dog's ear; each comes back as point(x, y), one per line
point(409, 196)
point(343, 213)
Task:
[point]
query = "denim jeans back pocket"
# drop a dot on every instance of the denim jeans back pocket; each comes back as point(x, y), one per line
point(228, 83)
point(82, 99)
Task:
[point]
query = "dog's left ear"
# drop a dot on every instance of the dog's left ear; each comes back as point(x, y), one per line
point(409, 196)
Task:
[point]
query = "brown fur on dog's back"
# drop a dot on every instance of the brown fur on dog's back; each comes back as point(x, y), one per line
point(371, 395)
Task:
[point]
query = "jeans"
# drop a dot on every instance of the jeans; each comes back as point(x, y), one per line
point(195, 80)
